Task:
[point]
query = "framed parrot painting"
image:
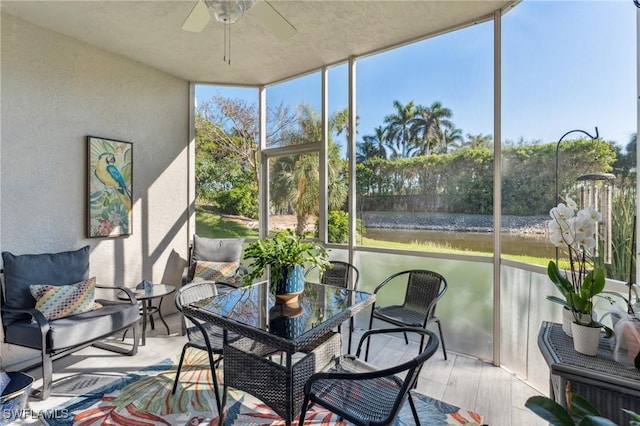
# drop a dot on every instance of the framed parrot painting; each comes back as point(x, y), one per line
point(110, 183)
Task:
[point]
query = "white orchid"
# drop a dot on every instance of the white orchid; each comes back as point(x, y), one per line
point(573, 228)
point(591, 213)
point(572, 204)
point(575, 231)
point(562, 213)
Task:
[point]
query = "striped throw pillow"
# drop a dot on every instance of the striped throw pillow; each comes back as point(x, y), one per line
point(224, 272)
point(59, 301)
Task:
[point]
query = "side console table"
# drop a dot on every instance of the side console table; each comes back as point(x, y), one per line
point(608, 385)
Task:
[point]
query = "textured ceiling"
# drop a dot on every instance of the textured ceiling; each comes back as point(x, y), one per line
point(328, 32)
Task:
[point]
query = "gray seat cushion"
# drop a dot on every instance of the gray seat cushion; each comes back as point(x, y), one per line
point(77, 329)
point(20, 271)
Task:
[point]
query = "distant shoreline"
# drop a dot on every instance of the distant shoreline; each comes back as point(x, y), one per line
point(521, 225)
point(455, 223)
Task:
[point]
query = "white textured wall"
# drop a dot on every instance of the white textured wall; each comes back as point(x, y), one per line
point(55, 92)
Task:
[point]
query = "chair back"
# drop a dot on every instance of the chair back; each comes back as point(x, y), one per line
point(424, 289)
point(191, 293)
point(213, 250)
point(409, 370)
point(20, 271)
point(338, 274)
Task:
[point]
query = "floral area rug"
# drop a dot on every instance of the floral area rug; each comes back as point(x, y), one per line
point(144, 398)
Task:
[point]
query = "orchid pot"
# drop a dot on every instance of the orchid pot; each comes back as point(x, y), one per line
point(586, 339)
point(568, 318)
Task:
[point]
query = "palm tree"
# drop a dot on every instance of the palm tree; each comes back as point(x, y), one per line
point(428, 126)
point(295, 179)
point(398, 129)
point(365, 150)
point(478, 141)
point(339, 122)
point(372, 145)
point(452, 137)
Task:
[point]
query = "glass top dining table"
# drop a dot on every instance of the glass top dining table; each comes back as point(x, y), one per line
point(252, 311)
point(261, 327)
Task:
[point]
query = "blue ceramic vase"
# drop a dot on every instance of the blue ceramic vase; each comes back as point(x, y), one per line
point(288, 279)
point(287, 283)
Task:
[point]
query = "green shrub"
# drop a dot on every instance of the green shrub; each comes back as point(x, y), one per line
point(239, 200)
point(338, 227)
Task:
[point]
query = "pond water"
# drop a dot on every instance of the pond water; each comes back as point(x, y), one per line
point(514, 244)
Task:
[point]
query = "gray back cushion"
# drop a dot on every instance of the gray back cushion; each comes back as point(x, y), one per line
point(20, 271)
point(215, 250)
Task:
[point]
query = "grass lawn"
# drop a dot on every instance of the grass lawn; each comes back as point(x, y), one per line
point(211, 225)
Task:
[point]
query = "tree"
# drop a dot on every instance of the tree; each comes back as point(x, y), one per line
point(477, 141)
point(372, 145)
point(339, 122)
point(234, 127)
point(452, 138)
point(295, 179)
point(626, 163)
point(398, 128)
point(427, 128)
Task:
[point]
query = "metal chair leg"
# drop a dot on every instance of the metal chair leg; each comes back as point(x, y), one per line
point(47, 375)
point(366, 353)
point(444, 349)
point(175, 381)
point(215, 381)
point(350, 334)
point(305, 405)
point(413, 409)
point(222, 405)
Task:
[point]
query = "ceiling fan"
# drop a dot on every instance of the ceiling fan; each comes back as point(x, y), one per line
point(230, 11)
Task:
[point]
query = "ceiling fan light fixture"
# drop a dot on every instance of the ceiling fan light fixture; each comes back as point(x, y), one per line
point(228, 11)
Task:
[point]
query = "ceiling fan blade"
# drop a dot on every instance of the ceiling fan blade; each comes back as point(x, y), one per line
point(198, 18)
point(272, 20)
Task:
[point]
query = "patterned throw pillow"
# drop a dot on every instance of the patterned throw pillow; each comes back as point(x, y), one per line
point(59, 301)
point(216, 271)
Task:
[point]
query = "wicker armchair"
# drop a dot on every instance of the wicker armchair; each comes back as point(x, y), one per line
point(423, 290)
point(202, 335)
point(362, 394)
point(338, 274)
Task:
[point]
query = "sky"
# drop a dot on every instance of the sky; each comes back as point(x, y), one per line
point(565, 65)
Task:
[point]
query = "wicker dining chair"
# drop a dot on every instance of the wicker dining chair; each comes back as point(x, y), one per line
point(338, 274)
point(363, 394)
point(201, 335)
point(423, 290)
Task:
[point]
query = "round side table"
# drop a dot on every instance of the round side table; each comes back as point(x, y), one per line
point(158, 291)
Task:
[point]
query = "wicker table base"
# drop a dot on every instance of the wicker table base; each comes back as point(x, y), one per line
point(248, 367)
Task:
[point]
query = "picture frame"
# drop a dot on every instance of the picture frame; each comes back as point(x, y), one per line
point(109, 187)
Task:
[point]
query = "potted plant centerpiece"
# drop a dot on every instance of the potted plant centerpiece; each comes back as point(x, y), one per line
point(285, 254)
point(574, 230)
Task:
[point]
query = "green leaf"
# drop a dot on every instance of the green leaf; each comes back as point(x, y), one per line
point(581, 407)
point(558, 300)
point(633, 414)
point(549, 410)
point(596, 421)
point(561, 282)
point(593, 283)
